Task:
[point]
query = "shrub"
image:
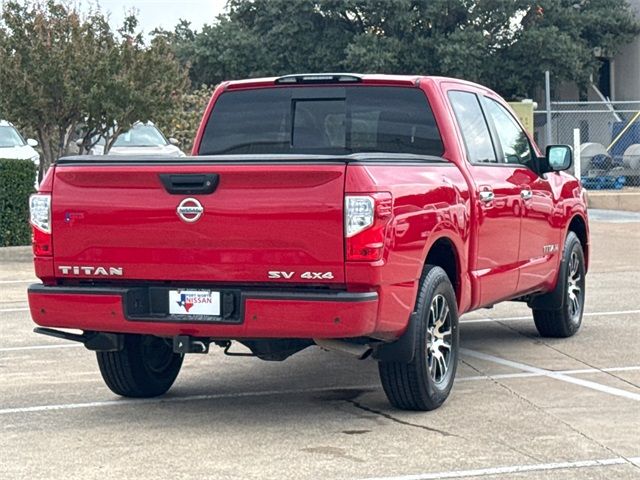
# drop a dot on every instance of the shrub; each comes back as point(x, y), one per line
point(16, 184)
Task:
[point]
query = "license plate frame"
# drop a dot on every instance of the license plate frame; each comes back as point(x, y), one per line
point(194, 303)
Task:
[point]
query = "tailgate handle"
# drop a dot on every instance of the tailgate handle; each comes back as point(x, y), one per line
point(189, 183)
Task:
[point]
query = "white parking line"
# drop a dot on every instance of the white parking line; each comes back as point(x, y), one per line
point(40, 347)
point(563, 372)
point(529, 317)
point(8, 310)
point(192, 398)
point(551, 374)
point(540, 467)
point(118, 403)
point(18, 281)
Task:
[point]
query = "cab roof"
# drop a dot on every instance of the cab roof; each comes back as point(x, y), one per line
point(326, 78)
point(342, 79)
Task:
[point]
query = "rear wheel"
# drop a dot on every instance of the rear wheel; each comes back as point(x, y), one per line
point(565, 321)
point(425, 382)
point(145, 367)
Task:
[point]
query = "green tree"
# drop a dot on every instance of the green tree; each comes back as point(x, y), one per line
point(61, 70)
point(182, 121)
point(44, 53)
point(132, 82)
point(506, 44)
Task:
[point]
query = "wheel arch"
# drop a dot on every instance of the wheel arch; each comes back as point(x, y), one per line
point(442, 253)
point(578, 225)
point(554, 299)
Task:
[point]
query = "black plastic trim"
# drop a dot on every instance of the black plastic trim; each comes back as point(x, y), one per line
point(318, 78)
point(403, 349)
point(189, 183)
point(281, 159)
point(314, 297)
point(40, 289)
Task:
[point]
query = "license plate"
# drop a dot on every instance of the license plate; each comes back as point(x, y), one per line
point(194, 302)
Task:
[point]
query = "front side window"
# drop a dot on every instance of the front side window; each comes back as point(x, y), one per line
point(322, 120)
point(473, 125)
point(514, 142)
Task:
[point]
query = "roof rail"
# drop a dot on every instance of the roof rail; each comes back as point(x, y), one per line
point(319, 78)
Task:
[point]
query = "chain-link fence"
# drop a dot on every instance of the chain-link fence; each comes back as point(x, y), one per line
point(609, 139)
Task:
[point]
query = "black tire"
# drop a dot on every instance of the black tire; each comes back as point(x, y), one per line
point(416, 385)
point(565, 321)
point(145, 367)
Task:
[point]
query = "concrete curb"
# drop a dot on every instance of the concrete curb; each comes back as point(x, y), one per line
point(16, 254)
point(615, 200)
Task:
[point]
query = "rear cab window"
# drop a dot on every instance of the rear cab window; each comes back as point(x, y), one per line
point(322, 120)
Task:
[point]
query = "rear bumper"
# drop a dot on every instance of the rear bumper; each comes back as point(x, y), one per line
point(259, 314)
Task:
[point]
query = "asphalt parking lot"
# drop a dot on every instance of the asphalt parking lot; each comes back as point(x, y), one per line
point(522, 406)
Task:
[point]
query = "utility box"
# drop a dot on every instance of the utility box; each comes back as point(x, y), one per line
point(524, 111)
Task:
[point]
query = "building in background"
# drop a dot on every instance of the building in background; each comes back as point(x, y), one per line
point(607, 115)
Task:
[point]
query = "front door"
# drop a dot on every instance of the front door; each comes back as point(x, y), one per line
point(539, 249)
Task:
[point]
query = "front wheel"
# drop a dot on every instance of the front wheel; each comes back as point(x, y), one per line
point(145, 367)
point(565, 321)
point(425, 382)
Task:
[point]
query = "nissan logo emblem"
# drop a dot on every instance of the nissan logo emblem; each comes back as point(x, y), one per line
point(190, 210)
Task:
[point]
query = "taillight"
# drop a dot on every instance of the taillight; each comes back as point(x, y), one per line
point(40, 219)
point(365, 225)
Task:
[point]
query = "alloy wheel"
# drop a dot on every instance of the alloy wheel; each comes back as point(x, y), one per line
point(439, 339)
point(575, 287)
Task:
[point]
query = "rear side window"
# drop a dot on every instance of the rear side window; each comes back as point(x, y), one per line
point(473, 125)
point(322, 120)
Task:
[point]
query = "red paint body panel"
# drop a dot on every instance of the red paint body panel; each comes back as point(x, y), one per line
point(259, 219)
point(262, 318)
point(278, 217)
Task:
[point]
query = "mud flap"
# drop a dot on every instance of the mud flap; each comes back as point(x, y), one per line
point(403, 349)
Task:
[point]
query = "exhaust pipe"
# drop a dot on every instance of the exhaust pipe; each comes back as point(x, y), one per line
point(353, 349)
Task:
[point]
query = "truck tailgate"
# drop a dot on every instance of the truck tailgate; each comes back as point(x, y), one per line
point(260, 218)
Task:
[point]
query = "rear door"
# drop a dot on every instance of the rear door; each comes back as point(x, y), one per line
point(497, 202)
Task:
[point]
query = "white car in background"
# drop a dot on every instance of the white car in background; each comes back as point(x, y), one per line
point(142, 139)
point(14, 146)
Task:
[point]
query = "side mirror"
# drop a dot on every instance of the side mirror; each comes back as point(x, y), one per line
point(174, 141)
point(558, 158)
point(31, 142)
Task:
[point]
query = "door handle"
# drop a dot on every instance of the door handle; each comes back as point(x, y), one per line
point(487, 196)
point(189, 183)
point(526, 194)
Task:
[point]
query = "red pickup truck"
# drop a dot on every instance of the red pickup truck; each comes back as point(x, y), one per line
point(361, 213)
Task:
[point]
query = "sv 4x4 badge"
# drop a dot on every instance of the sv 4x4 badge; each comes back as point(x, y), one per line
point(305, 276)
